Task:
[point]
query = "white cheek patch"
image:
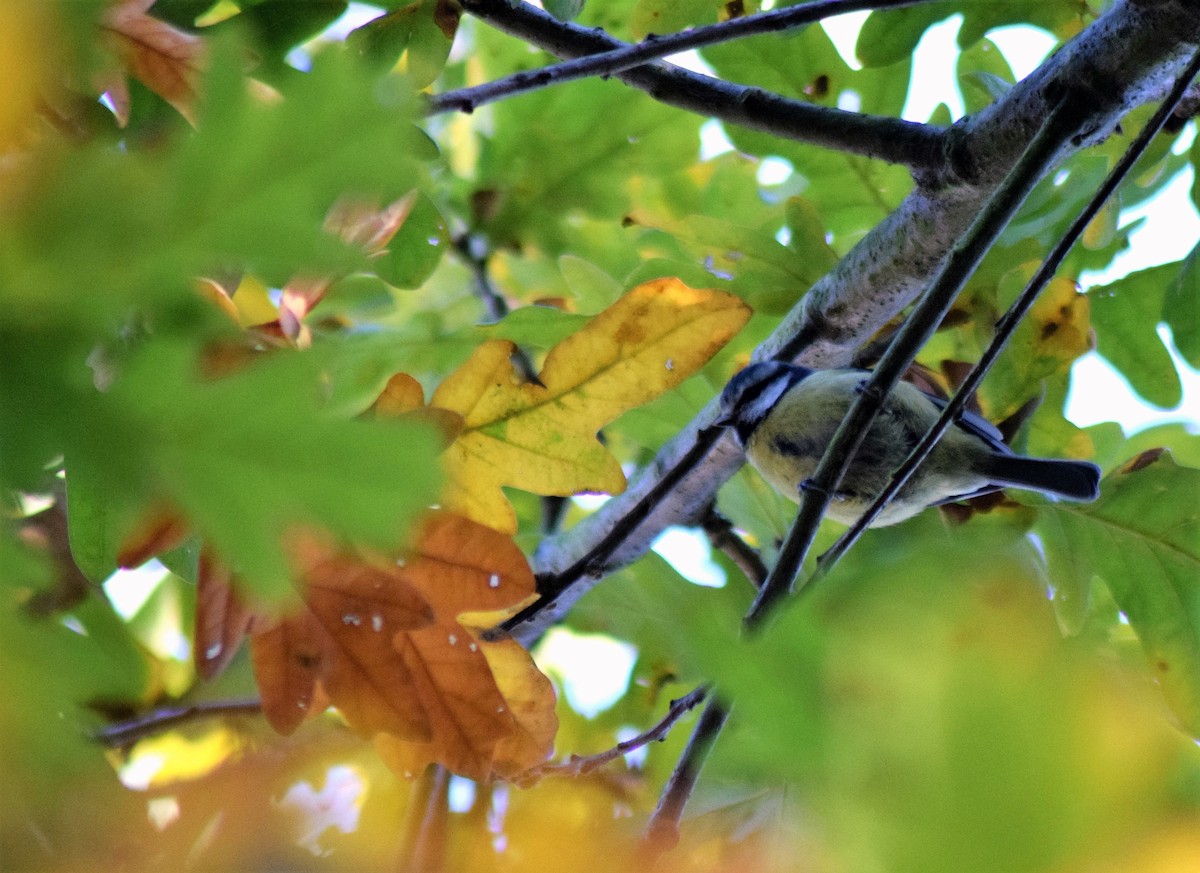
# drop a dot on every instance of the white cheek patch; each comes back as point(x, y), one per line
point(760, 407)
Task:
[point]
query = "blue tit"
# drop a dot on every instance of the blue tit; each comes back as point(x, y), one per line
point(784, 416)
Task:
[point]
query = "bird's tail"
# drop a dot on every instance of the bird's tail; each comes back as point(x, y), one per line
point(1074, 480)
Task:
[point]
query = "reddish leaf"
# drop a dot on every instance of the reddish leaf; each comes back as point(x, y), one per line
point(158, 531)
point(222, 619)
point(164, 59)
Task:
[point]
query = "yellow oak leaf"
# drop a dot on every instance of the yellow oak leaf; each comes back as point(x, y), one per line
point(542, 437)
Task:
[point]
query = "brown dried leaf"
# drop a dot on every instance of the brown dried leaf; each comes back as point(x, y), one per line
point(387, 639)
point(166, 60)
point(222, 618)
point(159, 530)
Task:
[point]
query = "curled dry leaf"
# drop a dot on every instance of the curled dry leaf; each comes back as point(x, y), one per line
point(222, 618)
point(164, 59)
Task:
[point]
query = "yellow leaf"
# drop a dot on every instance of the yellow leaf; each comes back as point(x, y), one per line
point(253, 301)
point(542, 437)
point(26, 58)
point(1062, 318)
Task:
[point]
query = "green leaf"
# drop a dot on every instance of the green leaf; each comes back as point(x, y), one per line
point(250, 457)
point(1142, 538)
point(670, 16)
point(649, 604)
point(768, 274)
point(924, 708)
point(1126, 315)
point(579, 168)
point(414, 252)
point(536, 326)
point(564, 10)
point(279, 25)
point(1181, 309)
point(890, 36)
point(984, 75)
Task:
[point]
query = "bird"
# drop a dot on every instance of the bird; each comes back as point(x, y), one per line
point(784, 415)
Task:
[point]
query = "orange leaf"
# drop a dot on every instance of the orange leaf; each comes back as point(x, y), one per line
point(385, 639)
point(165, 60)
point(222, 619)
point(343, 637)
point(463, 567)
point(403, 396)
point(288, 660)
point(159, 530)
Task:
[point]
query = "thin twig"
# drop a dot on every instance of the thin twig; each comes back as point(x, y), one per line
point(474, 254)
point(654, 47)
point(429, 848)
point(578, 765)
point(920, 326)
point(662, 833)
point(127, 733)
point(422, 816)
point(592, 563)
point(892, 265)
point(720, 533)
point(1012, 318)
point(917, 146)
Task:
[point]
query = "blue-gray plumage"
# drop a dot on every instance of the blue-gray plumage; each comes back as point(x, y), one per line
point(785, 415)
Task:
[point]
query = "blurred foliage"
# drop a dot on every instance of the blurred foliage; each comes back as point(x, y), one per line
point(1014, 693)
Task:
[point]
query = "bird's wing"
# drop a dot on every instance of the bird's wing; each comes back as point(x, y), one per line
point(976, 425)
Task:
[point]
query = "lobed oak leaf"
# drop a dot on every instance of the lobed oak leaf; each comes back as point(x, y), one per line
point(343, 638)
point(403, 396)
point(541, 437)
point(385, 639)
point(164, 59)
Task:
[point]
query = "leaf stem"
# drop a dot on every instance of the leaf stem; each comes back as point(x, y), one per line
point(578, 765)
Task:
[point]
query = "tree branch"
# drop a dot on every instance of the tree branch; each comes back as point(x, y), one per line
point(578, 765)
point(127, 733)
point(662, 833)
point(1012, 318)
point(917, 146)
point(902, 350)
point(1125, 58)
point(720, 534)
point(654, 47)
